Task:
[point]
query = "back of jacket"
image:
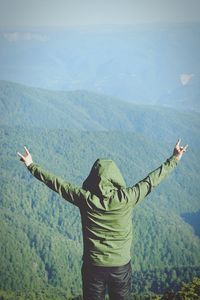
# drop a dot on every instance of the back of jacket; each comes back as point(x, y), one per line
point(106, 216)
point(105, 205)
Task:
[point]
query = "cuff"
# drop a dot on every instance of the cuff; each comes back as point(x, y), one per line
point(174, 159)
point(30, 167)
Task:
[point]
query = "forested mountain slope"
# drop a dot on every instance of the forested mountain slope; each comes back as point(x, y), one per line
point(41, 243)
point(82, 110)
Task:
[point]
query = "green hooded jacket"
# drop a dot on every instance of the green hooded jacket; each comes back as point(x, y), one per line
point(105, 205)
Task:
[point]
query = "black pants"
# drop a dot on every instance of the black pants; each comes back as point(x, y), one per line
point(96, 279)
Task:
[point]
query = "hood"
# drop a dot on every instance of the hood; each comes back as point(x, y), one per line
point(104, 177)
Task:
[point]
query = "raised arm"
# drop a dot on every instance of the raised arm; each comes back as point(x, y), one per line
point(66, 190)
point(139, 191)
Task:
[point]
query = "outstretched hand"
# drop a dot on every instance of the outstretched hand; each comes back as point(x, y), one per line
point(26, 158)
point(179, 150)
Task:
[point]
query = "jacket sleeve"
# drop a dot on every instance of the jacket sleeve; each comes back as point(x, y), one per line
point(139, 191)
point(66, 190)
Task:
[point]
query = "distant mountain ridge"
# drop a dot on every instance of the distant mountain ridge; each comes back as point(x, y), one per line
point(183, 97)
point(141, 64)
point(82, 110)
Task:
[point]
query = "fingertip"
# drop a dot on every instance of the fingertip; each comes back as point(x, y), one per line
point(26, 149)
point(20, 155)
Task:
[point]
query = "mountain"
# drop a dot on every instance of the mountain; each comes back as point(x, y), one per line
point(82, 110)
point(140, 64)
point(184, 97)
point(41, 242)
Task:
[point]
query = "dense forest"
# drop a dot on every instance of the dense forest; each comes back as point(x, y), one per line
point(40, 233)
point(189, 291)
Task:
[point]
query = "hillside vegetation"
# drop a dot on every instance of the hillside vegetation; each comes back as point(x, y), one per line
point(40, 233)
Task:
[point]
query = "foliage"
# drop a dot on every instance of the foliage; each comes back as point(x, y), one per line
point(188, 291)
point(40, 234)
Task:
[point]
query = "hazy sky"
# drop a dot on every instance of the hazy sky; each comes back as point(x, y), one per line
point(84, 12)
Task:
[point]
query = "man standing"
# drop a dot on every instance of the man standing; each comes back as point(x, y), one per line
point(105, 205)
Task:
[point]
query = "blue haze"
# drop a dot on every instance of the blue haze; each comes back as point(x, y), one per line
point(151, 64)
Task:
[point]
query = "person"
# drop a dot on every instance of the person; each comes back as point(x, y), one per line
point(105, 205)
